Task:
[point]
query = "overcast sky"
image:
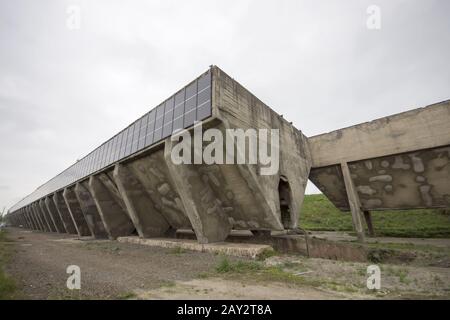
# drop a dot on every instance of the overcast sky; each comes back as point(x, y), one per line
point(64, 91)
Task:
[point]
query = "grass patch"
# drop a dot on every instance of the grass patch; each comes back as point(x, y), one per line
point(127, 296)
point(267, 253)
point(225, 266)
point(319, 214)
point(177, 250)
point(7, 285)
point(256, 271)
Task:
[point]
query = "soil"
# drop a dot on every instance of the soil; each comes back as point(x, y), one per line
point(113, 270)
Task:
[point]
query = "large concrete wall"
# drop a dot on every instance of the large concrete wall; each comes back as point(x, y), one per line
point(150, 194)
point(397, 162)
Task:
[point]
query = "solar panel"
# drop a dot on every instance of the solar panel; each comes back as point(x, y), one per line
point(180, 111)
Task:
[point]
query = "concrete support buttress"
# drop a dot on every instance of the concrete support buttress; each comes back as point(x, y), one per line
point(209, 221)
point(148, 220)
point(55, 214)
point(353, 200)
point(26, 219)
point(115, 218)
point(64, 213)
point(32, 219)
point(39, 213)
point(77, 215)
point(37, 218)
point(47, 215)
point(90, 212)
point(368, 218)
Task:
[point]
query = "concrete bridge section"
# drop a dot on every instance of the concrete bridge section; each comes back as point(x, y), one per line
point(397, 162)
point(130, 184)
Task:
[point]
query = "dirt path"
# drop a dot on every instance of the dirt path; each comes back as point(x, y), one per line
point(108, 269)
point(111, 270)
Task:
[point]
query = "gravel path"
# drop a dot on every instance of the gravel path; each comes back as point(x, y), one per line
point(109, 269)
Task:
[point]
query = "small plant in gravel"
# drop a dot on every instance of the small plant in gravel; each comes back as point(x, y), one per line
point(225, 266)
point(267, 253)
point(177, 250)
point(7, 285)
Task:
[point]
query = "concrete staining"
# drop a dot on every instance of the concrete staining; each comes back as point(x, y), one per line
point(397, 162)
point(148, 195)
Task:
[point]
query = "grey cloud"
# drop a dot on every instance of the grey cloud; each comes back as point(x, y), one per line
point(64, 92)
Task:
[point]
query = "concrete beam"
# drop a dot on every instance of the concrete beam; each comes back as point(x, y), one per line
point(208, 219)
point(368, 218)
point(64, 213)
point(36, 208)
point(54, 214)
point(355, 205)
point(111, 209)
point(26, 219)
point(417, 129)
point(33, 220)
point(90, 211)
point(146, 217)
point(77, 215)
point(47, 216)
point(38, 218)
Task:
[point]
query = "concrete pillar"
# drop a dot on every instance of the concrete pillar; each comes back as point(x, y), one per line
point(37, 222)
point(63, 212)
point(50, 205)
point(209, 221)
point(73, 206)
point(146, 217)
point(353, 200)
point(368, 218)
point(32, 219)
point(47, 216)
point(26, 219)
point(111, 209)
point(90, 212)
point(36, 208)
point(21, 220)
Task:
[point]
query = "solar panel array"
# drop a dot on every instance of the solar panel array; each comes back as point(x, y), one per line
point(180, 111)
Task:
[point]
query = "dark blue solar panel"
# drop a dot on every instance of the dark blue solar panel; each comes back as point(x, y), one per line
point(190, 104)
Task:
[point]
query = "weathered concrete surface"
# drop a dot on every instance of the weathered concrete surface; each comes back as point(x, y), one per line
point(36, 225)
point(218, 198)
point(36, 221)
point(64, 213)
point(418, 129)
point(397, 162)
point(54, 214)
point(246, 250)
point(145, 211)
point(37, 211)
point(90, 211)
point(48, 217)
point(110, 206)
point(76, 213)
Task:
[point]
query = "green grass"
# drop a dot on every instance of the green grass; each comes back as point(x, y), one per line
point(7, 285)
point(319, 214)
point(256, 271)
